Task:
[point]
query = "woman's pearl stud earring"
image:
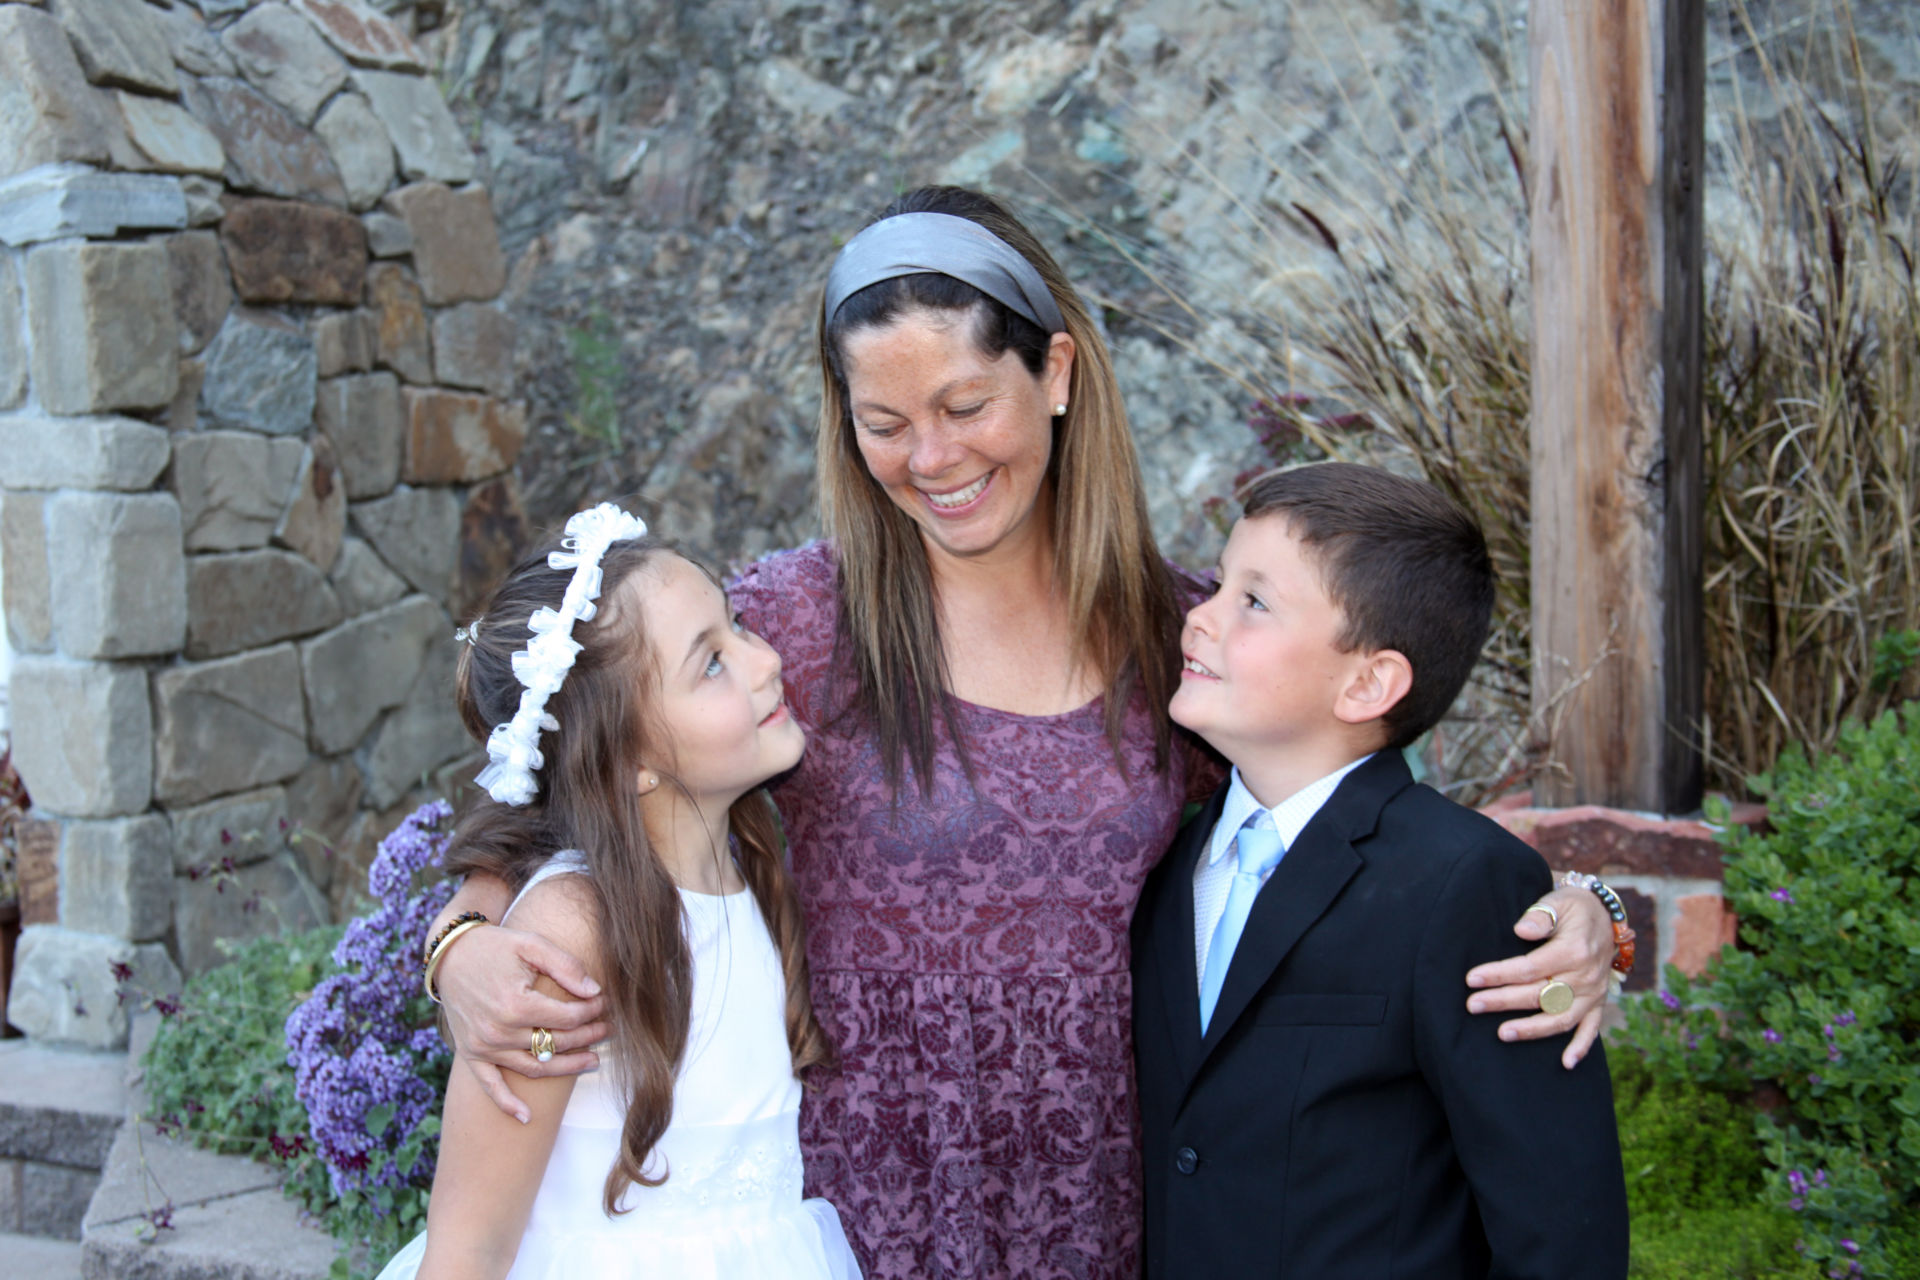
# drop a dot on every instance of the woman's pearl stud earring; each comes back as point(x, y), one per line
point(1059, 409)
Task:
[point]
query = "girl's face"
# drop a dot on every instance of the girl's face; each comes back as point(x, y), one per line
point(959, 441)
point(721, 712)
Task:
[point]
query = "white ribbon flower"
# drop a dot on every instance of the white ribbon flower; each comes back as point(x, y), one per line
point(513, 748)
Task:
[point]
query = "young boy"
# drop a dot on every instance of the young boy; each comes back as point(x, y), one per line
point(1315, 1098)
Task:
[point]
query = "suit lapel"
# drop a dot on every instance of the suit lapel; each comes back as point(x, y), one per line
point(1179, 980)
point(1309, 878)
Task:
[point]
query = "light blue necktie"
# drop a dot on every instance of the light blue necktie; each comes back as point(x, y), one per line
point(1257, 851)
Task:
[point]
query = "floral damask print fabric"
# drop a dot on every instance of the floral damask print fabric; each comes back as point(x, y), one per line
point(969, 957)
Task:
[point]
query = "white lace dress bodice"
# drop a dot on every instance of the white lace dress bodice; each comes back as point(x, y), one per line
point(731, 1205)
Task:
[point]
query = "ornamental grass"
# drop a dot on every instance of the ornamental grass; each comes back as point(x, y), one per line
point(1386, 306)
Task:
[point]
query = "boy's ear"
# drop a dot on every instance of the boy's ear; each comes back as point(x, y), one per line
point(1378, 682)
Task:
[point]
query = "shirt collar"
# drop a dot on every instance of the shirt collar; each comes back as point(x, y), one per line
point(1290, 817)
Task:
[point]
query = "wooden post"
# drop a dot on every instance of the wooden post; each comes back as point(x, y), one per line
point(1618, 92)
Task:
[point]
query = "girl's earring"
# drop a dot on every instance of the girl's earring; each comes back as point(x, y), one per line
point(647, 783)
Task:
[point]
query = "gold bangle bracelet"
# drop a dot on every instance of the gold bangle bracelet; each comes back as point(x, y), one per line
point(439, 953)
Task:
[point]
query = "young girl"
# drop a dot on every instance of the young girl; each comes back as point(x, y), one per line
point(627, 738)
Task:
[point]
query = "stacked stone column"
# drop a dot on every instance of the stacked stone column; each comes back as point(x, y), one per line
point(255, 452)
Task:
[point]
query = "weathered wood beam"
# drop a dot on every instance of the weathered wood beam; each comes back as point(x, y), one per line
point(1618, 104)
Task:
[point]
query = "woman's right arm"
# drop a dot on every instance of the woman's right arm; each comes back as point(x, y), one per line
point(487, 984)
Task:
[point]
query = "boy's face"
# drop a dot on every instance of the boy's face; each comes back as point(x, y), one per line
point(1262, 674)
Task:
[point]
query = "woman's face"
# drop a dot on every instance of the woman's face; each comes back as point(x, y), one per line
point(959, 441)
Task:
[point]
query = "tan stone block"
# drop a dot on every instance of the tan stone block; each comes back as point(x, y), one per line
point(343, 342)
point(38, 452)
point(119, 42)
point(104, 335)
point(1702, 925)
point(245, 828)
point(246, 599)
point(456, 245)
point(170, 139)
point(201, 295)
point(363, 34)
point(454, 438)
point(362, 415)
point(287, 251)
point(227, 725)
point(232, 486)
point(48, 112)
point(82, 736)
point(117, 877)
point(13, 350)
point(122, 575)
point(360, 148)
point(267, 150)
point(473, 347)
point(403, 344)
point(417, 533)
point(366, 666)
point(23, 572)
point(284, 57)
point(426, 138)
point(316, 516)
point(494, 531)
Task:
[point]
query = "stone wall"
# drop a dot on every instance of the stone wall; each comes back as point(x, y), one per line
point(256, 441)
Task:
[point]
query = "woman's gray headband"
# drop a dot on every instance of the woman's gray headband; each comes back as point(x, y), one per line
point(909, 244)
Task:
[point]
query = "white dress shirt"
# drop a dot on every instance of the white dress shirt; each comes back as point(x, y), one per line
point(1213, 874)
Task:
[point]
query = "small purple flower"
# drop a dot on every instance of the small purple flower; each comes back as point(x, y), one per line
point(1849, 1245)
point(1670, 1000)
point(1796, 1204)
point(1846, 1019)
point(1827, 1031)
point(1819, 1177)
point(1770, 1036)
point(1813, 1079)
point(1798, 1181)
point(1782, 895)
point(1833, 1053)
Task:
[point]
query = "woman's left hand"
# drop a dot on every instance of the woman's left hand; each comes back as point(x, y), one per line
point(1578, 951)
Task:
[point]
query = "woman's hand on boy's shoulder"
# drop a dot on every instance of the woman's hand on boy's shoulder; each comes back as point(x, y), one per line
point(1576, 947)
point(500, 983)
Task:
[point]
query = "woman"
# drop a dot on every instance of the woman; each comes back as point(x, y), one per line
point(982, 655)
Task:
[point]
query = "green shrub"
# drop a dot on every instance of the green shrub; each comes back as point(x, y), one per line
point(1820, 1008)
point(1684, 1147)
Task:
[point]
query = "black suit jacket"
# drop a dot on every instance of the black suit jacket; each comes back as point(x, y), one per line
point(1344, 1115)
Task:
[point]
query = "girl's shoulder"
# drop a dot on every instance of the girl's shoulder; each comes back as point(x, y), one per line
point(558, 903)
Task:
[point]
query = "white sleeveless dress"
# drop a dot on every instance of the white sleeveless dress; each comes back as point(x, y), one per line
point(730, 1208)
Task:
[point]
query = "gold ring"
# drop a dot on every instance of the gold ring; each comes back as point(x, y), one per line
point(542, 1045)
point(1547, 911)
point(1556, 997)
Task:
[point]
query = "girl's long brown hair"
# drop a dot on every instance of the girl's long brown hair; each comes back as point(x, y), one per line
point(588, 800)
point(1120, 593)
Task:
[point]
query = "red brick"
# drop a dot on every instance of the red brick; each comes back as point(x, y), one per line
point(1701, 926)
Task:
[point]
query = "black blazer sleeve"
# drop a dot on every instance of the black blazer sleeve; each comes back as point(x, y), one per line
point(1537, 1143)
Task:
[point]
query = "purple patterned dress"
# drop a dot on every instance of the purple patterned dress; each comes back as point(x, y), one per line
point(969, 958)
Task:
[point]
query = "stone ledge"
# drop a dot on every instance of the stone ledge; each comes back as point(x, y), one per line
point(60, 1106)
point(1602, 841)
point(39, 1258)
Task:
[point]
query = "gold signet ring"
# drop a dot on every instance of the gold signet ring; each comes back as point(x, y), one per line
point(1556, 997)
point(543, 1043)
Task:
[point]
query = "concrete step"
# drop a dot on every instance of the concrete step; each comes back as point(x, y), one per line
point(37, 1258)
point(59, 1112)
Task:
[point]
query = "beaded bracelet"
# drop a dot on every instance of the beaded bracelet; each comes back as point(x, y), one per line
point(435, 949)
point(1623, 935)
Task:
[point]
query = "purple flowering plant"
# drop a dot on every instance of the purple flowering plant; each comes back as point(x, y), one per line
point(368, 1061)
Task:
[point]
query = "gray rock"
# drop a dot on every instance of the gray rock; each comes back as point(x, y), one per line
point(57, 201)
point(116, 877)
point(202, 293)
point(82, 737)
point(454, 438)
point(323, 804)
point(119, 42)
point(268, 152)
point(364, 35)
point(473, 347)
point(796, 92)
point(361, 579)
point(64, 990)
point(428, 141)
point(13, 345)
point(362, 415)
point(246, 828)
point(203, 201)
point(248, 902)
point(23, 572)
point(360, 147)
point(227, 725)
point(403, 343)
point(417, 532)
point(121, 574)
point(421, 734)
point(281, 55)
point(245, 599)
point(48, 112)
point(103, 332)
point(456, 246)
point(232, 486)
point(261, 376)
point(316, 515)
point(38, 452)
point(196, 50)
point(387, 235)
point(343, 342)
point(171, 139)
point(261, 1235)
point(61, 1106)
point(366, 666)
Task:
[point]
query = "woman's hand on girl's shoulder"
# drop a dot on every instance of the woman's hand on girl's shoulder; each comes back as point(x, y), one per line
point(488, 987)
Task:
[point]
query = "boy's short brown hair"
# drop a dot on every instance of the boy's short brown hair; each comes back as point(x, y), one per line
point(1407, 567)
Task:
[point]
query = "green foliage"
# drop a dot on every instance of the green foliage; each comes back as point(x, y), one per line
point(1744, 1243)
point(1821, 1006)
point(1684, 1147)
point(598, 371)
point(217, 1068)
point(1894, 654)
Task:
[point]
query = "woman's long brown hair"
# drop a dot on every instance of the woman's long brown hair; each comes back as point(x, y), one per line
point(589, 801)
point(1120, 594)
